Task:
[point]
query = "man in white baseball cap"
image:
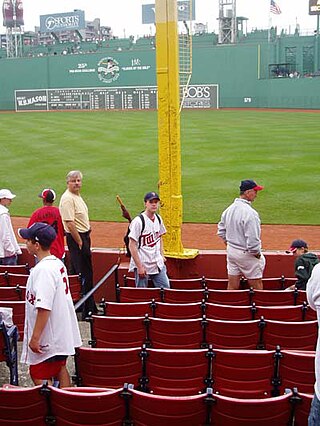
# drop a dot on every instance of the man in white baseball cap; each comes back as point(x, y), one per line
point(9, 248)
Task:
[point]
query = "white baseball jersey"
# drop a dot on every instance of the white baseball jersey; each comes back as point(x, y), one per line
point(150, 243)
point(48, 288)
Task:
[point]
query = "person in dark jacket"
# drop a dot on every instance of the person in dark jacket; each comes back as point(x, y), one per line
point(304, 263)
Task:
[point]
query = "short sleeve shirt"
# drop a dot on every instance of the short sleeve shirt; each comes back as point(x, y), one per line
point(73, 208)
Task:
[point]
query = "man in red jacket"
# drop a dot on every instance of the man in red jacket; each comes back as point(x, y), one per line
point(51, 215)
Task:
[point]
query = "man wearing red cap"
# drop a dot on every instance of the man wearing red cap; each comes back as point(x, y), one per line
point(240, 229)
point(51, 215)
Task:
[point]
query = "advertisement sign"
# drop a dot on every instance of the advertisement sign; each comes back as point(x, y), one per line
point(149, 12)
point(314, 7)
point(62, 22)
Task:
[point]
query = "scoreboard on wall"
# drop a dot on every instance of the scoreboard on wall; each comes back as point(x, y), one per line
point(198, 96)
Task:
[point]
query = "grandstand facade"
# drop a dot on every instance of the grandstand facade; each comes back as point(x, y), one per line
point(262, 70)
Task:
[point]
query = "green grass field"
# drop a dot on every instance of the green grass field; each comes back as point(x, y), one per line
point(118, 154)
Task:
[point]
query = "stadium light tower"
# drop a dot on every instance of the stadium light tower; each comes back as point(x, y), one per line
point(12, 11)
point(227, 22)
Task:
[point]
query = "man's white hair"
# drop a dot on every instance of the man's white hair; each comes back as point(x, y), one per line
point(73, 174)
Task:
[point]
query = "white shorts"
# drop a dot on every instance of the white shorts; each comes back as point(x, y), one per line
point(241, 262)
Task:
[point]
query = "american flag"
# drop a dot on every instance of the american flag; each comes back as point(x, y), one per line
point(274, 8)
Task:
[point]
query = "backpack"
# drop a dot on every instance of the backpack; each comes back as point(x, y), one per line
point(126, 237)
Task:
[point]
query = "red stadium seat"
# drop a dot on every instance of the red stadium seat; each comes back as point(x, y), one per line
point(87, 406)
point(177, 372)
point(297, 370)
point(109, 368)
point(15, 269)
point(244, 373)
point(216, 283)
point(17, 279)
point(277, 298)
point(75, 285)
point(187, 284)
point(138, 309)
point(12, 293)
point(229, 297)
point(184, 296)
point(281, 313)
point(288, 335)
point(155, 410)
point(229, 411)
point(129, 295)
point(177, 334)
point(223, 334)
point(178, 310)
point(227, 312)
point(119, 332)
point(3, 279)
point(22, 406)
point(18, 308)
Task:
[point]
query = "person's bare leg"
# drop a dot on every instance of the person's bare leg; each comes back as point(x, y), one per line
point(233, 282)
point(64, 378)
point(257, 283)
point(40, 381)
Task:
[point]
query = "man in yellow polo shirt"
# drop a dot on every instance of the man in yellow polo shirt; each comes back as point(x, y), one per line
point(74, 213)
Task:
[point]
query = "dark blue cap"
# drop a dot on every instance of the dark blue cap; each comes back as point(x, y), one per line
point(249, 184)
point(39, 231)
point(151, 196)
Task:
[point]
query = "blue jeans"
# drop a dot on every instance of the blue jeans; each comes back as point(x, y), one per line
point(314, 415)
point(10, 260)
point(159, 280)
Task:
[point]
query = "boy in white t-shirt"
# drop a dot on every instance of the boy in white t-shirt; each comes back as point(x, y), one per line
point(51, 331)
point(146, 246)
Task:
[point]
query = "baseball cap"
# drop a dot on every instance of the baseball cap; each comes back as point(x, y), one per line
point(6, 193)
point(295, 245)
point(151, 196)
point(39, 231)
point(250, 184)
point(48, 195)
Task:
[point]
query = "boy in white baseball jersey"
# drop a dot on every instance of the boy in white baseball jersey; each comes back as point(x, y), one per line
point(51, 329)
point(146, 245)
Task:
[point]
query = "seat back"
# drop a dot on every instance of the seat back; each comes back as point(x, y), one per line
point(87, 406)
point(216, 283)
point(290, 335)
point(245, 373)
point(132, 295)
point(184, 296)
point(118, 332)
point(107, 367)
point(229, 297)
point(178, 310)
point(15, 269)
point(22, 406)
point(176, 334)
point(75, 285)
point(297, 371)
point(245, 412)
point(187, 284)
point(13, 293)
point(223, 334)
point(228, 312)
point(138, 309)
point(17, 279)
point(177, 372)
point(278, 297)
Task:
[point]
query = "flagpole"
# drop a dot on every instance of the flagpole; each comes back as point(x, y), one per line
point(269, 24)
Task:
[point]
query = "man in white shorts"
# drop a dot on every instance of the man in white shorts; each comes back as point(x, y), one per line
point(146, 245)
point(240, 229)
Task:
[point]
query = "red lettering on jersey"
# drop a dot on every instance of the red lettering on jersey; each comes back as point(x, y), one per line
point(150, 240)
point(30, 297)
point(65, 280)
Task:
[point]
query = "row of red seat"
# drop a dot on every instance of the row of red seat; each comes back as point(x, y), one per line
point(244, 373)
point(221, 297)
point(39, 406)
point(210, 310)
point(126, 332)
point(274, 283)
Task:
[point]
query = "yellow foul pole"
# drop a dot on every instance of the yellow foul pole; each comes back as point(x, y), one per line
point(167, 56)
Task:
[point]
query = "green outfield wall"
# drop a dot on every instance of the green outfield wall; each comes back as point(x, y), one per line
point(253, 73)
